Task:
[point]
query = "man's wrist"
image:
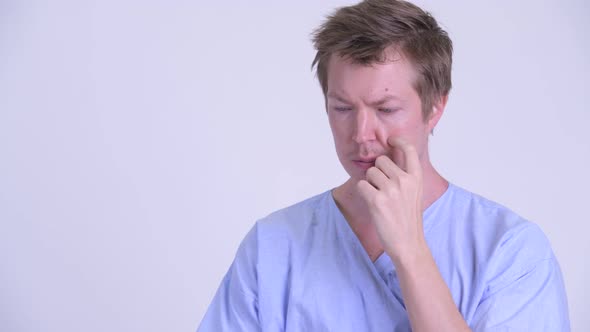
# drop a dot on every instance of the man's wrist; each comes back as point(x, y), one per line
point(412, 259)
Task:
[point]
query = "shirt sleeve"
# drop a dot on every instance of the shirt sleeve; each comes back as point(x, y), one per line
point(235, 305)
point(525, 292)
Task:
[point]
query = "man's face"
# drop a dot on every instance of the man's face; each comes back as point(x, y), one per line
point(368, 104)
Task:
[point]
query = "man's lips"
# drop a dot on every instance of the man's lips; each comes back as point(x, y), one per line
point(365, 163)
point(366, 160)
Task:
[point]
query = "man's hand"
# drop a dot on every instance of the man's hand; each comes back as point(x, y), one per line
point(393, 193)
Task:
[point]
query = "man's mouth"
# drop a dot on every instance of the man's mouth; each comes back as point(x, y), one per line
point(365, 163)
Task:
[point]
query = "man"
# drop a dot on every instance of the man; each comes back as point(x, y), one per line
point(396, 247)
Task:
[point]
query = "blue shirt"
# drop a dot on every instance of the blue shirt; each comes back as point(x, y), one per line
point(303, 269)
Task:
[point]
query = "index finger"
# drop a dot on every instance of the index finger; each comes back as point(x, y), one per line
point(412, 160)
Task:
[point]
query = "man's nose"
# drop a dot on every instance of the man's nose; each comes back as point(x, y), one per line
point(364, 126)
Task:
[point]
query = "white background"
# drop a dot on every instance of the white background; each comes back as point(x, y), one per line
point(140, 140)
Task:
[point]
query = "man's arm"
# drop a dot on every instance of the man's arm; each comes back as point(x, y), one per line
point(426, 295)
point(524, 286)
point(394, 197)
point(235, 305)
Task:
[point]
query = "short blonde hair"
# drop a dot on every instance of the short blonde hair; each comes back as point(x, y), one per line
point(362, 33)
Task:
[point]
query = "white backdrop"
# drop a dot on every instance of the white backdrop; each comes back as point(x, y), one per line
point(140, 140)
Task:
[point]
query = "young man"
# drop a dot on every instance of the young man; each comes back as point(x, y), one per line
point(396, 247)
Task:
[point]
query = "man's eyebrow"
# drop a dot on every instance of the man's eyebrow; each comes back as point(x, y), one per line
point(385, 99)
point(334, 95)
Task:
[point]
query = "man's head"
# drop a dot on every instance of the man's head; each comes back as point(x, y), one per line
point(362, 33)
point(385, 70)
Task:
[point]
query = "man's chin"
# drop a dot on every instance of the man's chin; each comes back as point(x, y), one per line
point(355, 178)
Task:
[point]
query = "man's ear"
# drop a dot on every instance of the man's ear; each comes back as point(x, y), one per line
point(438, 108)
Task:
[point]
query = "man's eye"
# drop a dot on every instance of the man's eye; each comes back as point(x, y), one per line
point(342, 109)
point(387, 110)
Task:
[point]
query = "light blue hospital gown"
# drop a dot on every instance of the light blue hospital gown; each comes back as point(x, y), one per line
point(303, 269)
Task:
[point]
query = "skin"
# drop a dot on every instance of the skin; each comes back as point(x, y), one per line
point(381, 139)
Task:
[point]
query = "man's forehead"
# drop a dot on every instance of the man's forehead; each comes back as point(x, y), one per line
point(377, 98)
point(346, 76)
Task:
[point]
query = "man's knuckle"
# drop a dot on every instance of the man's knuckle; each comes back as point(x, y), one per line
point(380, 161)
point(379, 199)
point(393, 191)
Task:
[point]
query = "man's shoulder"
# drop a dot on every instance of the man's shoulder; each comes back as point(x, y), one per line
point(501, 226)
point(479, 210)
point(297, 210)
point(297, 217)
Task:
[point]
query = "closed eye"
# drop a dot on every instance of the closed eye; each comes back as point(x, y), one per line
point(342, 109)
point(388, 110)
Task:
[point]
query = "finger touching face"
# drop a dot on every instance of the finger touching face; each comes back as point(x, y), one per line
point(405, 154)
